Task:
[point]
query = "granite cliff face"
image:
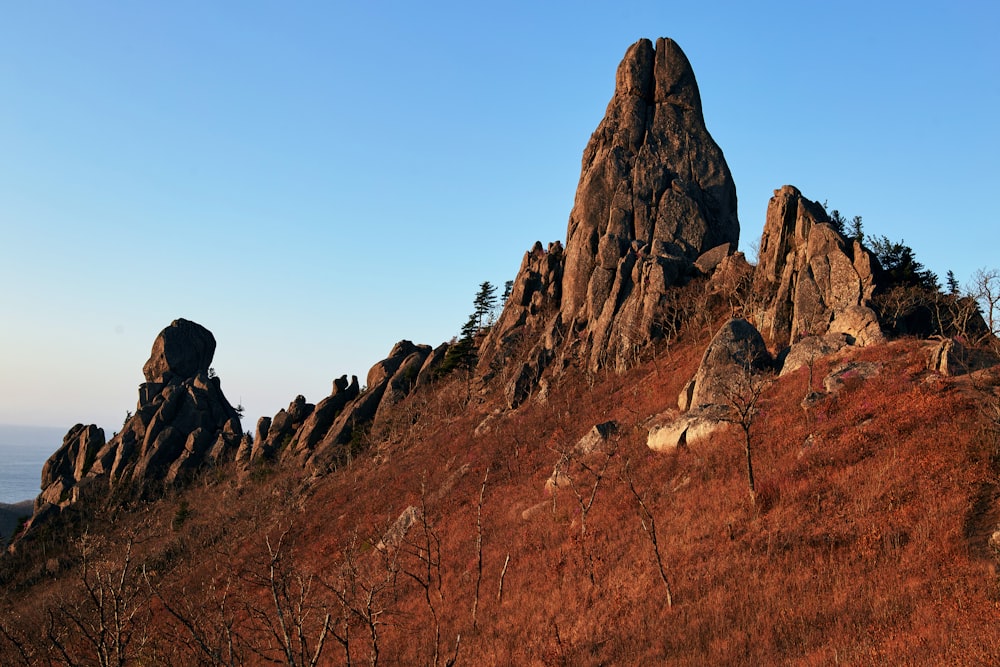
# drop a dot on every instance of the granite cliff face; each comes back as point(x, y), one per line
point(813, 280)
point(655, 194)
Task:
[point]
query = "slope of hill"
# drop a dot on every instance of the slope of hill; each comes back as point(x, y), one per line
point(868, 541)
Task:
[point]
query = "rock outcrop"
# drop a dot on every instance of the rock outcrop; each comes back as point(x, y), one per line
point(655, 205)
point(323, 436)
point(655, 193)
point(182, 422)
point(814, 281)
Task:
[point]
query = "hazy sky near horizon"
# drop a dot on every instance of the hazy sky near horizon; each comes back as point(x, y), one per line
point(314, 181)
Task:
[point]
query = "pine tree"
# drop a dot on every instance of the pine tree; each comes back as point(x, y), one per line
point(857, 231)
point(952, 281)
point(838, 221)
point(508, 287)
point(485, 304)
point(901, 266)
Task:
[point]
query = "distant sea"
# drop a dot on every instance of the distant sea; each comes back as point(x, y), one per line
point(23, 451)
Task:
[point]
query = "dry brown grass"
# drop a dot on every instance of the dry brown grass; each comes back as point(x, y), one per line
point(867, 544)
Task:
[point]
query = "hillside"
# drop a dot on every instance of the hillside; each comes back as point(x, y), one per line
point(868, 542)
point(659, 453)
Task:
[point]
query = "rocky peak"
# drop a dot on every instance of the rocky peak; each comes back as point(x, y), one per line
point(655, 195)
point(653, 181)
point(813, 280)
point(182, 422)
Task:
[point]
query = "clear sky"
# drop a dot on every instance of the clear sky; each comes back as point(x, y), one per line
point(314, 181)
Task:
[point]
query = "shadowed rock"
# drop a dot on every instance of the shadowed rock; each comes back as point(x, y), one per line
point(736, 348)
point(182, 350)
point(182, 422)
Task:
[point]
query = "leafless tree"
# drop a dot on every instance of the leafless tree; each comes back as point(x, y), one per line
point(566, 469)
point(985, 289)
point(209, 625)
point(295, 621)
point(424, 546)
point(479, 547)
point(108, 625)
point(20, 643)
point(362, 597)
point(648, 522)
point(742, 393)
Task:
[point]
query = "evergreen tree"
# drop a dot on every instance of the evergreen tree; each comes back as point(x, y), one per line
point(857, 231)
point(838, 221)
point(952, 281)
point(901, 266)
point(485, 303)
point(508, 287)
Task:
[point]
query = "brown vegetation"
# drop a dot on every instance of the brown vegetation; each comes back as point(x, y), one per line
point(867, 540)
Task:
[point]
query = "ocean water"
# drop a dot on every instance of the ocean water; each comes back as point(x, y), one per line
point(23, 451)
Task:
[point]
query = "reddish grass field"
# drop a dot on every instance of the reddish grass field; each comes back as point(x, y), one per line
point(867, 543)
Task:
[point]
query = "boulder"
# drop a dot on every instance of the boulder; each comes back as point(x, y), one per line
point(852, 371)
point(811, 348)
point(595, 438)
point(697, 426)
point(182, 350)
point(949, 357)
point(859, 324)
point(592, 442)
point(737, 348)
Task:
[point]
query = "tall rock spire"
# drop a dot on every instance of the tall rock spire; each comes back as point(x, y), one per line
point(655, 194)
point(653, 180)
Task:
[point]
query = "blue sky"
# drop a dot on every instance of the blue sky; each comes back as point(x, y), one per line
point(315, 181)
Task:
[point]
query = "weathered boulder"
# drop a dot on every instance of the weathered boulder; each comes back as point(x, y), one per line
point(591, 443)
point(182, 350)
point(690, 429)
point(811, 348)
point(948, 356)
point(811, 276)
point(848, 372)
point(737, 348)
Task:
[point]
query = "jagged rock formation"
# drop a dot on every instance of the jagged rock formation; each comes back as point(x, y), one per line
point(523, 341)
point(655, 195)
point(813, 280)
point(182, 422)
point(322, 436)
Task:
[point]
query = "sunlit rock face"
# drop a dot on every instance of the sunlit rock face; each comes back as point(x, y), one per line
point(813, 279)
point(655, 195)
